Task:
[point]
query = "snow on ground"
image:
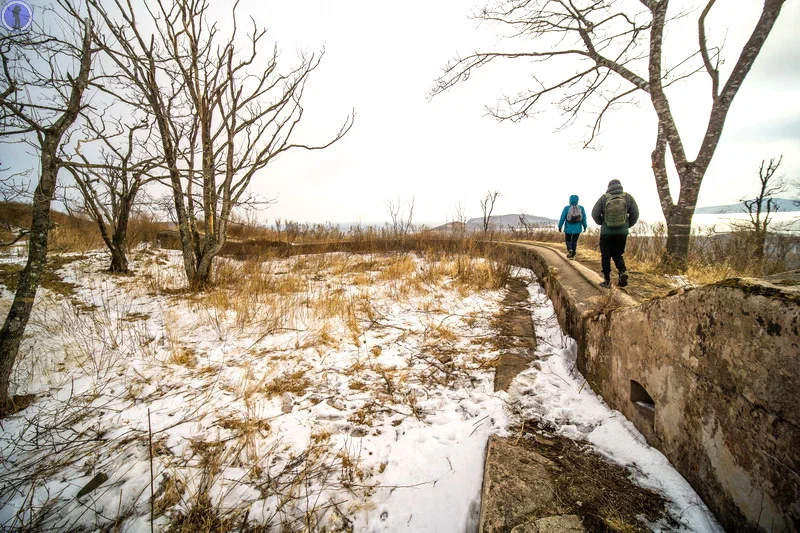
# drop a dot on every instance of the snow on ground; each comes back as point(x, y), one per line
point(680, 280)
point(324, 393)
point(317, 392)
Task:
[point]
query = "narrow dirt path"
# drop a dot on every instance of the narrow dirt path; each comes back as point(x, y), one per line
point(517, 338)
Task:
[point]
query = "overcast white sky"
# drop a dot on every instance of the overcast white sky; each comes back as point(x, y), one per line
point(382, 57)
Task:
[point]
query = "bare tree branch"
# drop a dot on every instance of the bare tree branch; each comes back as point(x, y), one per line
point(603, 49)
point(487, 207)
point(701, 32)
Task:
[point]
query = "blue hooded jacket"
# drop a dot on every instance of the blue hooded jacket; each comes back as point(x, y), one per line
point(572, 227)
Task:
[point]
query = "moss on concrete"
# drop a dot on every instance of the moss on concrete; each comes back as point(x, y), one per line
point(752, 288)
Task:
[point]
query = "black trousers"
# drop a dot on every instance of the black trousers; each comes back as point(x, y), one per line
point(572, 241)
point(612, 247)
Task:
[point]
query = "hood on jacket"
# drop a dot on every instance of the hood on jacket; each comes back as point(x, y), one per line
point(573, 200)
point(614, 187)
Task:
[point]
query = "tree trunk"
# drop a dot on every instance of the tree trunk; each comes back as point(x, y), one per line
point(678, 216)
point(760, 251)
point(119, 260)
point(679, 226)
point(202, 275)
point(676, 255)
point(119, 257)
point(51, 138)
point(20, 312)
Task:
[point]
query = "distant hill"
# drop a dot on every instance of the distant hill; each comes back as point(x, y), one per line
point(784, 205)
point(498, 222)
point(510, 220)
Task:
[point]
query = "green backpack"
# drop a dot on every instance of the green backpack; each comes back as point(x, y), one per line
point(616, 211)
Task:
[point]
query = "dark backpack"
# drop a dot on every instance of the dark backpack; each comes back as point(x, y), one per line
point(574, 214)
point(615, 214)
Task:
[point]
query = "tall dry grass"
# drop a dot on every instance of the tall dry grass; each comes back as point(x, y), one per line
point(712, 255)
point(318, 293)
point(74, 233)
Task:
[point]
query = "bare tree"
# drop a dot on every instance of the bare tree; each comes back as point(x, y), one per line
point(608, 51)
point(223, 112)
point(402, 215)
point(761, 209)
point(40, 100)
point(487, 206)
point(110, 188)
point(525, 227)
point(459, 219)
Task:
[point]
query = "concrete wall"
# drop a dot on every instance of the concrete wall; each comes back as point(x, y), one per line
point(722, 367)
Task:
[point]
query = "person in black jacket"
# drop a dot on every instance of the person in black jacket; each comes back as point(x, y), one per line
point(614, 212)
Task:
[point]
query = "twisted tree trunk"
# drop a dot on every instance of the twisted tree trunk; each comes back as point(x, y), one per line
point(20, 312)
point(51, 138)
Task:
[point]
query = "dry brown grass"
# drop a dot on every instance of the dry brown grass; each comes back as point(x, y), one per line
point(399, 267)
point(262, 297)
point(169, 493)
point(295, 383)
point(440, 332)
point(300, 486)
point(50, 278)
point(203, 517)
point(77, 233)
point(607, 302)
point(183, 356)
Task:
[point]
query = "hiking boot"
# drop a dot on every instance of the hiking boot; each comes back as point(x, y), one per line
point(606, 284)
point(571, 255)
point(623, 278)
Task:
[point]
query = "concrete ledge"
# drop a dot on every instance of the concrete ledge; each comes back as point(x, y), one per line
point(517, 488)
point(709, 376)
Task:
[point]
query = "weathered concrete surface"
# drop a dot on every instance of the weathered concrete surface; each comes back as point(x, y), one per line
point(540, 482)
point(722, 366)
point(518, 491)
point(571, 287)
point(556, 524)
point(552, 524)
point(516, 336)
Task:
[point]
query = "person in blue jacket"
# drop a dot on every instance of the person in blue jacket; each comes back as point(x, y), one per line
point(573, 221)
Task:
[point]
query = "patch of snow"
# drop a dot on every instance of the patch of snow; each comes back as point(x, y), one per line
point(383, 436)
point(681, 281)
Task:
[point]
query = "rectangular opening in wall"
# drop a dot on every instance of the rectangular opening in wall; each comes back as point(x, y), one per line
point(643, 401)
